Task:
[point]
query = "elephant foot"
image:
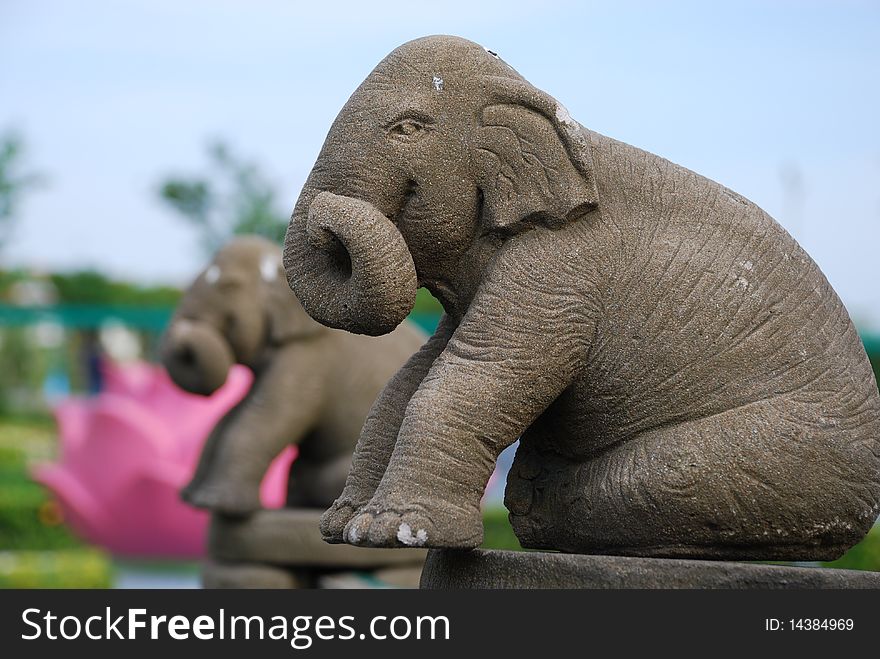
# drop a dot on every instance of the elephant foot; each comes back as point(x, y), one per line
point(414, 526)
point(227, 499)
point(335, 519)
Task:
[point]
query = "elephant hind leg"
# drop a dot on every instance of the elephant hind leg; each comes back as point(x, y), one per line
point(764, 481)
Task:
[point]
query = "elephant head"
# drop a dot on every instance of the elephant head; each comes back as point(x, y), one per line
point(442, 152)
point(239, 306)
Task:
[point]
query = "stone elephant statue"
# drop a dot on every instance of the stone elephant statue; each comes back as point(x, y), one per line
point(684, 380)
point(313, 386)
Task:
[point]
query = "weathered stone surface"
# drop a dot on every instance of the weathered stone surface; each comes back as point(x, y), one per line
point(244, 575)
point(290, 537)
point(459, 569)
point(683, 378)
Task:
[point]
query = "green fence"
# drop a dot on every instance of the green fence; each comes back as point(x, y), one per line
point(147, 319)
point(83, 316)
point(872, 345)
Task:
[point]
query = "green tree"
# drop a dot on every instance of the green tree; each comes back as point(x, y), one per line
point(234, 197)
point(92, 287)
point(13, 184)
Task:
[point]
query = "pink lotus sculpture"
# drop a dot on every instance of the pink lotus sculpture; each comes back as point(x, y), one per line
point(127, 452)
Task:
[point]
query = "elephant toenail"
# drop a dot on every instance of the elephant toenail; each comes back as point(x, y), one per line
point(406, 536)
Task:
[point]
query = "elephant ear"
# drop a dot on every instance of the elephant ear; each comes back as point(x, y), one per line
point(287, 320)
point(532, 160)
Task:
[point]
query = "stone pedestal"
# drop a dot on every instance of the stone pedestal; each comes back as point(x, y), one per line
point(451, 569)
point(283, 549)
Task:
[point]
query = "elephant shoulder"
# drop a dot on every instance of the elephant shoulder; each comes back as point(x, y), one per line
point(641, 190)
point(561, 269)
point(630, 175)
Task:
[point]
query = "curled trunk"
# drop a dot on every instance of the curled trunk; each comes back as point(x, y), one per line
point(196, 357)
point(348, 264)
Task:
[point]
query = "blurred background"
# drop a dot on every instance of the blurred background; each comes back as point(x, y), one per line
point(136, 137)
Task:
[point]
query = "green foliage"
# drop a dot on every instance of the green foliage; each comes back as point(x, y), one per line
point(12, 461)
point(875, 364)
point(27, 438)
point(70, 568)
point(864, 556)
point(191, 198)
point(20, 366)
point(427, 311)
point(8, 278)
point(29, 520)
point(497, 531)
point(36, 549)
point(233, 198)
point(90, 287)
point(13, 184)
point(426, 303)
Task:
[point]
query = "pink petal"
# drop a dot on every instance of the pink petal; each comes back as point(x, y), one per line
point(273, 489)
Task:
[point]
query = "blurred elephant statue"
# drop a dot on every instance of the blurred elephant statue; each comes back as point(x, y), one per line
point(313, 386)
point(683, 378)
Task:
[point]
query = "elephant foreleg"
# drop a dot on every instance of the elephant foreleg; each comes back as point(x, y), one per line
point(243, 445)
point(379, 434)
point(512, 355)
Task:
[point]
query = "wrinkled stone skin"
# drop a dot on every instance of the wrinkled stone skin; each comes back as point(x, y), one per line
point(684, 379)
point(313, 386)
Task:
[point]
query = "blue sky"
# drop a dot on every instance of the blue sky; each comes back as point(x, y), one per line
point(778, 100)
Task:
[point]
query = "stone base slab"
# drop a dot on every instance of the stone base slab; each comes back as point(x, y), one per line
point(457, 569)
point(290, 537)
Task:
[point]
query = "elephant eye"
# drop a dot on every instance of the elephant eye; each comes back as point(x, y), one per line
point(407, 129)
